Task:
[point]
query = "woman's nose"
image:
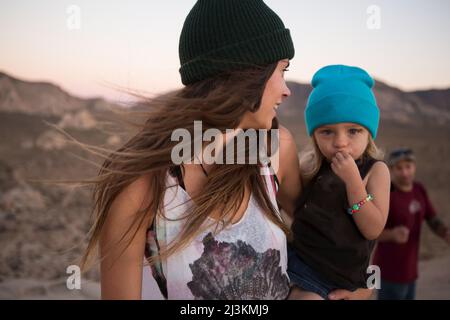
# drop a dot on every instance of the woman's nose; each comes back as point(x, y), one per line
point(286, 91)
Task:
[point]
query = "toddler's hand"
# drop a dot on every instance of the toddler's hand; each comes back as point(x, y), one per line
point(345, 167)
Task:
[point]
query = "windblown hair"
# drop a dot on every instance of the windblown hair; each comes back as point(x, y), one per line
point(219, 102)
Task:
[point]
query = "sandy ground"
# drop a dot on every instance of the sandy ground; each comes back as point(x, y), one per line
point(434, 280)
point(47, 290)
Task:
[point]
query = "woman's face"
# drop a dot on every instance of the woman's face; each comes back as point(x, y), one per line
point(342, 137)
point(275, 92)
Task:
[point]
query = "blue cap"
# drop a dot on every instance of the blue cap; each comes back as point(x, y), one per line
point(342, 94)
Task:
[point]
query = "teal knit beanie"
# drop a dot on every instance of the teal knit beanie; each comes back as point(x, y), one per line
point(342, 94)
point(225, 35)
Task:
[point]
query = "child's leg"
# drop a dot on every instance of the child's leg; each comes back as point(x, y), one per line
point(299, 294)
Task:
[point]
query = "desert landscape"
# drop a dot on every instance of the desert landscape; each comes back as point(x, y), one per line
point(43, 227)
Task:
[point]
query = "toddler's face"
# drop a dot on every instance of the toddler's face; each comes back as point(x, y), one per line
point(346, 137)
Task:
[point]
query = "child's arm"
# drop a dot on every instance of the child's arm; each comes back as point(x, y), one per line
point(372, 216)
point(358, 294)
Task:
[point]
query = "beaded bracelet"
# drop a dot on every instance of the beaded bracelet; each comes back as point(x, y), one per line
point(357, 206)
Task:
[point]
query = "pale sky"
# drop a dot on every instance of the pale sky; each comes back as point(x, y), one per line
point(134, 43)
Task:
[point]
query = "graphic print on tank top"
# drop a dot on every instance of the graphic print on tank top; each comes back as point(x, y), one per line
point(237, 271)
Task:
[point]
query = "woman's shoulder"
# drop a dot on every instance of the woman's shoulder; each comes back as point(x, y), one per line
point(285, 133)
point(135, 196)
point(287, 155)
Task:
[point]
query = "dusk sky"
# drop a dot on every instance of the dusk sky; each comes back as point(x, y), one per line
point(134, 43)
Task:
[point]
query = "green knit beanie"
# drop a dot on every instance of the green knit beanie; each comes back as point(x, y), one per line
point(225, 35)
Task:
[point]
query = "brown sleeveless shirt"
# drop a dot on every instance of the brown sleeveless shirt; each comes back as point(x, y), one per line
point(325, 235)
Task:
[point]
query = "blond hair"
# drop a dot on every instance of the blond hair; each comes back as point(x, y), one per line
point(311, 159)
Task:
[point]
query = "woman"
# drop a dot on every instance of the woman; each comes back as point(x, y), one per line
point(208, 231)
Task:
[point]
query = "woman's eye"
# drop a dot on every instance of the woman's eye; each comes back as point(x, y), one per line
point(326, 132)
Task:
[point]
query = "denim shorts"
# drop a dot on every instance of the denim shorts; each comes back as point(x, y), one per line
point(397, 291)
point(306, 278)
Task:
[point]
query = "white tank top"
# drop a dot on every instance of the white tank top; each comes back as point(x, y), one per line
point(246, 260)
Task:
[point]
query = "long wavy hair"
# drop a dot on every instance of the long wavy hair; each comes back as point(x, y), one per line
point(219, 102)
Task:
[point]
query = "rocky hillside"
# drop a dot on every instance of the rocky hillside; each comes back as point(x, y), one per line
point(417, 108)
point(42, 98)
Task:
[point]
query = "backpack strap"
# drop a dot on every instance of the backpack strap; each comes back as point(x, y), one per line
point(272, 184)
point(152, 249)
point(274, 178)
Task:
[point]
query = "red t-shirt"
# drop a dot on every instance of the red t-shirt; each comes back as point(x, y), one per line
point(398, 262)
